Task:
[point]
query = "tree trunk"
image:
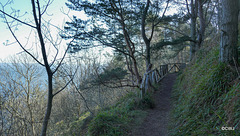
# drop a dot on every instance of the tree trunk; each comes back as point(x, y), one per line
point(143, 32)
point(202, 24)
point(148, 54)
point(193, 14)
point(49, 106)
point(131, 48)
point(229, 32)
point(37, 21)
point(219, 15)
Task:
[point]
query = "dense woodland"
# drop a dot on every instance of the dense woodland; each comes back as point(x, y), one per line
point(87, 79)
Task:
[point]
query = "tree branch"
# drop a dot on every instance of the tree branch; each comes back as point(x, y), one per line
point(15, 37)
point(48, 3)
point(17, 19)
point(82, 97)
point(62, 59)
point(66, 83)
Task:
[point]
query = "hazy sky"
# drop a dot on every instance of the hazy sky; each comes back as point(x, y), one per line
point(54, 14)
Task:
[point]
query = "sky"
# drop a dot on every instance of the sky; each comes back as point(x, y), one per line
point(55, 14)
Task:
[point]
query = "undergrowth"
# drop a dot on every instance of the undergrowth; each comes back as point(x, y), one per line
point(206, 98)
point(120, 118)
point(117, 120)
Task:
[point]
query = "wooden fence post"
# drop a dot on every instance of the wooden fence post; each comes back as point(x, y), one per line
point(146, 83)
point(153, 77)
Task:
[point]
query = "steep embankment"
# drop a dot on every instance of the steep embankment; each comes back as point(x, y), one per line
point(206, 98)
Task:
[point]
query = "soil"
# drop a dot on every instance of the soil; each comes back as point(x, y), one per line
point(156, 121)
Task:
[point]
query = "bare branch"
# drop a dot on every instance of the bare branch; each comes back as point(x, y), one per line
point(210, 18)
point(165, 9)
point(17, 19)
point(43, 49)
point(178, 31)
point(63, 57)
point(66, 83)
point(187, 5)
point(163, 13)
point(45, 9)
point(15, 37)
point(82, 97)
point(54, 44)
point(146, 40)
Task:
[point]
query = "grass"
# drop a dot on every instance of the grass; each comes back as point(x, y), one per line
point(206, 98)
point(121, 118)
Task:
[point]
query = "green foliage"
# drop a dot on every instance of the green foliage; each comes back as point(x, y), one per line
point(119, 119)
point(206, 98)
point(135, 103)
point(178, 41)
point(111, 122)
point(112, 74)
point(77, 127)
point(90, 33)
point(74, 128)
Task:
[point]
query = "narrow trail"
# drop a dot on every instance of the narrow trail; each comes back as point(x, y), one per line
point(156, 122)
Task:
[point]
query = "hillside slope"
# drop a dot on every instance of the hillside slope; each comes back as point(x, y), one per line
point(206, 97)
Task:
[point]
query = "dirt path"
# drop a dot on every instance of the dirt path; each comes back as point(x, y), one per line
point(156, 122)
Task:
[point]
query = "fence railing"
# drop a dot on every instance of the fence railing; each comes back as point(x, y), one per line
point(154, 76)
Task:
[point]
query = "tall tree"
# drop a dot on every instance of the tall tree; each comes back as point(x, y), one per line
point(193, 16)
point(120, 23)
point(36, 24)
point(146, 40)
point(153, 20)
point(111, 23)
point(202, 23)
point(201, 13)
point(229, 31)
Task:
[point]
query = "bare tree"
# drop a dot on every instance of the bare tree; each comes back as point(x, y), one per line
point(22, 85)
point(36, 24)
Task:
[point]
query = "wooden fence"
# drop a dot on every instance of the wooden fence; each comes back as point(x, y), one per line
point(154, 76)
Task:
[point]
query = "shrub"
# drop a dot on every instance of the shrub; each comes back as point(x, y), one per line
point(117, 120)
point(108, 123)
